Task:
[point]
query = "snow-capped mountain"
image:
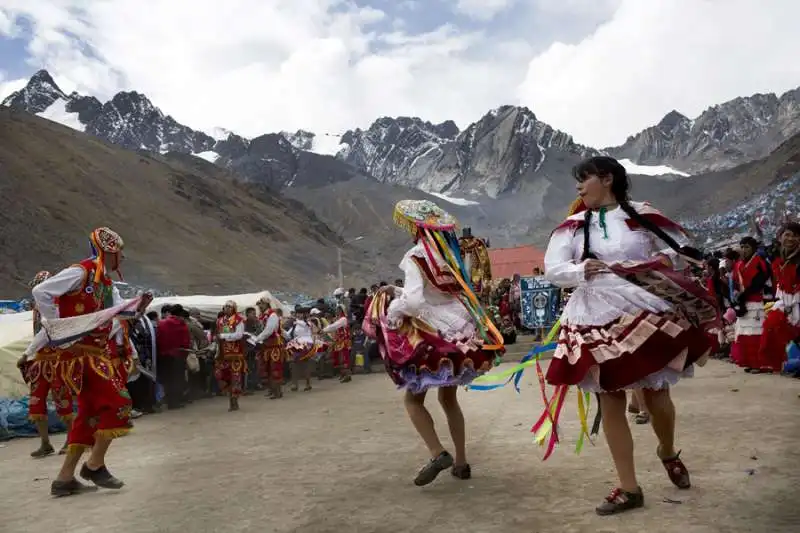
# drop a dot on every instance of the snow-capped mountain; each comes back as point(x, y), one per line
point(723, 136)
point(508, 155)
point(129, 119)
point(492, 156)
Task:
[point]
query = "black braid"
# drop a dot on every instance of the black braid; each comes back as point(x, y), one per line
point(660, 233)
point(587, 252)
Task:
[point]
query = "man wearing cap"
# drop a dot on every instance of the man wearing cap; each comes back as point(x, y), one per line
point(103, 401)
point(43, 377)
point(231, 364)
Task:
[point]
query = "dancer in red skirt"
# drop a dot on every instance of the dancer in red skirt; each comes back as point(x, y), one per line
point(782, 324)
point(433, 332)
point(625, 333)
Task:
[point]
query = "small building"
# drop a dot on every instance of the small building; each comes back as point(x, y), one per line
point(520, 260)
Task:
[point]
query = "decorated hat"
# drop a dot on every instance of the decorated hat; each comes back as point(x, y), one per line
point(413, 214)
point(38, 278)
point(104, 241)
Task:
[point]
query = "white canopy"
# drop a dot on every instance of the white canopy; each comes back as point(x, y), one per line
point(210, 306)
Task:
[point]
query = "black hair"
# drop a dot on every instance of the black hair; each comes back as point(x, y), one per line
point(603, 167)
point(749, 241)
point(249, 309)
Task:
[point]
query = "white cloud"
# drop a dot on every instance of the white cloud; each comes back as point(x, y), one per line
point(9, 86)
point(483, 9)
point(255, 66)
point(658, 55)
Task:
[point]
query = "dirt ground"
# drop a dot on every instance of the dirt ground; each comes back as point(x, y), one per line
point(342, 457)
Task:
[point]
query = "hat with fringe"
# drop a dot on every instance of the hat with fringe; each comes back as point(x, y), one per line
point(413, 214)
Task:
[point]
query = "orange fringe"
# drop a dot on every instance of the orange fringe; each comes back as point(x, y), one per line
point(34, 418)
point(77, 448)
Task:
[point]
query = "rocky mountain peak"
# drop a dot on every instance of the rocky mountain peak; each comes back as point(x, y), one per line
point(723, 136)
point(39, 93)
point(672, 121)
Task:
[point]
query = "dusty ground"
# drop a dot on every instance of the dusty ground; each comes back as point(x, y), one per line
point(342, 458)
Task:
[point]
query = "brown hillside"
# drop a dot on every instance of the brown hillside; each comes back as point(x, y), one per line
point(188, 226)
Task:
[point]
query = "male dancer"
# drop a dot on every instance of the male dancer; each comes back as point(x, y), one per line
point(103, 401)
point(273, 351)
point(43, 376)
point(231, 364)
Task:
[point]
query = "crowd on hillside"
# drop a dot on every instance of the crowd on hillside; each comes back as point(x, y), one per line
point(763, 214)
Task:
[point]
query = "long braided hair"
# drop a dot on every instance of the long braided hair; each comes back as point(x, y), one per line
point(604, 166)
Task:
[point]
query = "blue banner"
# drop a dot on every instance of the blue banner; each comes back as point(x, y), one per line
point(540, 301)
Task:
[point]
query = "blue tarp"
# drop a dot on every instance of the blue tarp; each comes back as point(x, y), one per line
point(14, 419)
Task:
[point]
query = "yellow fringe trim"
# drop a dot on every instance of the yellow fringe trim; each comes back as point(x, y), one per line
point(78, 448)
point(67, 418)
point(112, 433)
point(34, 418)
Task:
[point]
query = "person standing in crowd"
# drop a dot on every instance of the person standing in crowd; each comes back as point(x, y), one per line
point(750, 275)
point(198, 381)
point(43, 376)
point(142, 389)
point(252, 327)
point(782, 324)
point(231, 363)
point(173, 342)
point(103, 401)
point(271, 349)
point(301, 347)
point(341, 343)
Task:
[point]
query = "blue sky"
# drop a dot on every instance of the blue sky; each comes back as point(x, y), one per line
point(597, 69)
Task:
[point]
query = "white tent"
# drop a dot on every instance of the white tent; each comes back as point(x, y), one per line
point(16, 332)
point(210, 306)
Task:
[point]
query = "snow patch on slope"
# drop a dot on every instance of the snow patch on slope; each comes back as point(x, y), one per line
point(208, 155)
point(452, 200)
point(57, 112)
point(325, 144)
point(650, 170)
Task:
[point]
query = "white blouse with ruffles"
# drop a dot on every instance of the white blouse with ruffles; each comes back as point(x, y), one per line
point(420, 299)
point(606, 297)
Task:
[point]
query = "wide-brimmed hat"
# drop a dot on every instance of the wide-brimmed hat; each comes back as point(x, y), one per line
point(414, 214)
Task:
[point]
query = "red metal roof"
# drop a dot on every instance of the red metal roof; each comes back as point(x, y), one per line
point(518, 260)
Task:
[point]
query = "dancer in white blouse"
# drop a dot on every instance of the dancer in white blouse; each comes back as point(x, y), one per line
point(618, 333)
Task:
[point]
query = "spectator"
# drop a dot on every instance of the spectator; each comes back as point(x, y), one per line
point(173, 343)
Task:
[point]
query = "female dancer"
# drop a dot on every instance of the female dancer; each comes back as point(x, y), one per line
point(432, 333)
point(620, 333)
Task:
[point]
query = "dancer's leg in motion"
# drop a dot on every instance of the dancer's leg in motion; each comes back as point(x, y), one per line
point(619, 438)
point(662, 415)
point(423, 423)
point(448, 398)
point(642, 411)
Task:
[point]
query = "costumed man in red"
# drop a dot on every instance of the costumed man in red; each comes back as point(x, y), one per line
point(43, 377)
point(750, 275)
point(231, 365)
point(104, 404)
point(272, 348)
point(339, 331)
point(782, 324)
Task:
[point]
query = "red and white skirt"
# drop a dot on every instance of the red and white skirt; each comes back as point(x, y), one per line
point(645, 350)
